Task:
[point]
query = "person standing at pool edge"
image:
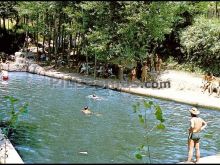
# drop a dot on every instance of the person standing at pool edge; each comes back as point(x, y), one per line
point(196, 125)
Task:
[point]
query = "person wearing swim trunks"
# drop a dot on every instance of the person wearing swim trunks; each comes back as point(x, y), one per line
point(197, 124)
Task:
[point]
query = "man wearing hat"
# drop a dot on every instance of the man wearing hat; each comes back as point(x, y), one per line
point(196, 125)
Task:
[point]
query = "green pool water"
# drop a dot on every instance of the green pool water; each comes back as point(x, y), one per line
point(56, 131)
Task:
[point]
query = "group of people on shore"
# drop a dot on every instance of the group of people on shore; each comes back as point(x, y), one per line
point(211, 83)
point(148, 66)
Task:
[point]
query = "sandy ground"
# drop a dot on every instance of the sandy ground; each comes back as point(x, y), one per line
point(181, 80)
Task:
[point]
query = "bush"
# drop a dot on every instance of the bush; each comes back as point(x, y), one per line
point(201, 43)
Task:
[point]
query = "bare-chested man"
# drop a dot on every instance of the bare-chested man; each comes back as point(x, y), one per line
point(144, 74)
point(196, 125)
point(208, 79)
point(86, 111)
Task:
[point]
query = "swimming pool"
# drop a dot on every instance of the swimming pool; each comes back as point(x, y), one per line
point(56, 131)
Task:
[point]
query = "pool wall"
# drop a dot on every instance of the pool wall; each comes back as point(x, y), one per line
point(12, 156)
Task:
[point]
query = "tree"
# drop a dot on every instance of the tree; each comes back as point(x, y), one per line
point(7, 11)
point(200, 43)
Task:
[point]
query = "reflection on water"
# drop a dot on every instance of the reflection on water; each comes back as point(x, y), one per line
point(56, 131)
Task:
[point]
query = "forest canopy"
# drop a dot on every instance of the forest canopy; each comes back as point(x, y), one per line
point(121, 32)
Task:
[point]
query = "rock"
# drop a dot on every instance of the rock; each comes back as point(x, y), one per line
point(65, 77)
point(18, 54)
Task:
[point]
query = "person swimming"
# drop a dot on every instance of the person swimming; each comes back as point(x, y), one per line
point(93, 96)
point(86, 110)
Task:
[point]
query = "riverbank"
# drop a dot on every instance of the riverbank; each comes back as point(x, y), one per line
point(184, 86)
point(179, 86)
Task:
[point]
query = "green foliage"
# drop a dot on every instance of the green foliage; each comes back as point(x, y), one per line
point(201, 43)
point(14, 112)
point(138, 156)
point(189, 66)
point(158, 114)
point(7, 9)
point(160, 126)
point(121, 32)
point(144, 24)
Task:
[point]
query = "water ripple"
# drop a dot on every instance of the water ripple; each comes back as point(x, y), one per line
point(55, 130)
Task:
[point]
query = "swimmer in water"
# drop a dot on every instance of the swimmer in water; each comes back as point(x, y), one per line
point(94, 96)
point(86, 110)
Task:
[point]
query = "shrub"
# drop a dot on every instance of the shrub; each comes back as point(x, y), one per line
point(201, 43)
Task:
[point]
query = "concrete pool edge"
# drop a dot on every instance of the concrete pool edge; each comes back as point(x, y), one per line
point(13, 156)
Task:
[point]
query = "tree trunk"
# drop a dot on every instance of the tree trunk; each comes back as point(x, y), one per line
point(32, 23)
point(95, 67)
point(8, 23)
point(43, 43)
point(49, 49)
point(63, 40)
point(59, 30)
point(70, 48)
point(55, 41)
point(76, 45)
point(4, 23)
point(87, 64)
point(53, 34)
point(38, 56)
point(71, 37)
point(84, 53)
point(24, 19)
point(120, 72)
